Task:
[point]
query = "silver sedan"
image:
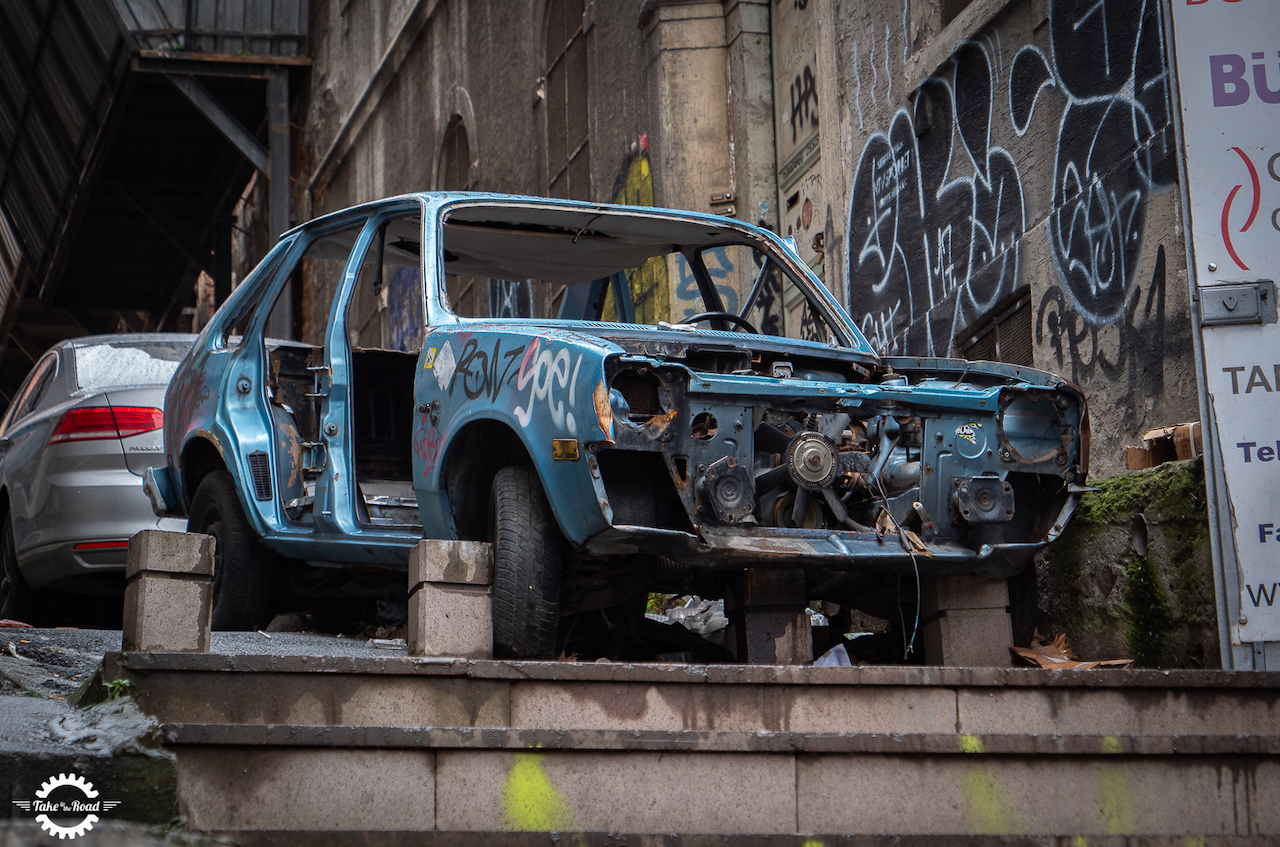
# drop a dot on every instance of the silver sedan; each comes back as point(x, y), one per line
point(74, 443)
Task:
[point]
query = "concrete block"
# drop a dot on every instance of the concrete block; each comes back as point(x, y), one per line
point(733, 708)
point(451, 620)
point(968, 638)
point(461, 562)
point(777, 636)
point(624, 792)
point(169, 552)
point(168, 596)
point(306, 789)
point(962, 592)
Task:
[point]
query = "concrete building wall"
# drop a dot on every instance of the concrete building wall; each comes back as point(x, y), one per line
point(1007, 174)
point(1020, 157)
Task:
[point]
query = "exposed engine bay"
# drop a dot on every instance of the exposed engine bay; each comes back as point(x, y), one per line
point(971, 464)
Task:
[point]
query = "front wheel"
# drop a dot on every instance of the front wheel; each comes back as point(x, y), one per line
point(527, 551)
point(242, 567)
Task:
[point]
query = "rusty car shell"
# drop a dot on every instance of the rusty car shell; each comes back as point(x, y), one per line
point(705, 447)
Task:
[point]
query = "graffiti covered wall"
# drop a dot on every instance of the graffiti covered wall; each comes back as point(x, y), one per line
point(1037, 159)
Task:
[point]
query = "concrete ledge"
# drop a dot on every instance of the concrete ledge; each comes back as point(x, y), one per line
point(758, 793)
point(714, 741)
point(870, 675)
point(493, 838)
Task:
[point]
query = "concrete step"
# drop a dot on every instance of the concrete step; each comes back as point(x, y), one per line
point(279, 746)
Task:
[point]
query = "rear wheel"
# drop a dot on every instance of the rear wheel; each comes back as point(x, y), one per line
point(17, 599)
point(242, 567)
point(527, 553)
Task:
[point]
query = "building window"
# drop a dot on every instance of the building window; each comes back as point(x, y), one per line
point(455, 158)
point(1003, 336)
point(568, 153)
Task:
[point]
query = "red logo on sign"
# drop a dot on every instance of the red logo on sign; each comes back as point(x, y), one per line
point(1253, 212)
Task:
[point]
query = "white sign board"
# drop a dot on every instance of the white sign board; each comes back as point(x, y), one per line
point(1228, 70)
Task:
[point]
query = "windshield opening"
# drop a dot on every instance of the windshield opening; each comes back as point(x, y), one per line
point(615, 268)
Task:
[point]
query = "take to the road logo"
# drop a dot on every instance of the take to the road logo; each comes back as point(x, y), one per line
point(76, 804)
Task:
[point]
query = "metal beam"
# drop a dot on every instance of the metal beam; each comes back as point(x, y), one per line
point(278, 191)
point(222, 120)
point(278, 137)
point(157, 219)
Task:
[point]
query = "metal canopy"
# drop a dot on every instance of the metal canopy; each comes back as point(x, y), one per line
point(128, 130)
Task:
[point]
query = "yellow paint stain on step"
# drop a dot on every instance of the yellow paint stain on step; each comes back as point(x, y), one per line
point(1111, 744)
point(984, 807)
point(984, 804)
point(1117, 806)
point(531, 801)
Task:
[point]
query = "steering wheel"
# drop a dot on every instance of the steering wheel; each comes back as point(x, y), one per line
point(722, 316)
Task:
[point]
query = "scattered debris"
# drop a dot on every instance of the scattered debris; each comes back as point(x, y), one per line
point(43, 663)
point(1166, 444)
point(384, 632)
point(1058, 654)
point(5, 622)
point(701, 617)
point(836, 657)
point(389, 643)
point(886, 525)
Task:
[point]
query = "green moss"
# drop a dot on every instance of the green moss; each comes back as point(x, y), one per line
point(1133, 567)
point(1147, 609)
point(1171, 491)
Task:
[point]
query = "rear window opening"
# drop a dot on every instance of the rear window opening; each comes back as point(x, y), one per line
point(133, 363)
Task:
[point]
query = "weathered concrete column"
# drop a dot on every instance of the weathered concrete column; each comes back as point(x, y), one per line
point(168, 595)
point(755, 167)
point(690, 141)
point(966, 621)
point(768, 624)
point(450, 599)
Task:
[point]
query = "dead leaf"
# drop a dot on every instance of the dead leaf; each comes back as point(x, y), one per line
point(1058, 654)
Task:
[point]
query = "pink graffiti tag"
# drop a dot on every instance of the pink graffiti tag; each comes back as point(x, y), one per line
point(426, 445)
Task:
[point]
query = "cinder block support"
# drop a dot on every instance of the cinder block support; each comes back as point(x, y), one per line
point(966, 621)
point(450, 599)
point(168, 595)
point(768, 624)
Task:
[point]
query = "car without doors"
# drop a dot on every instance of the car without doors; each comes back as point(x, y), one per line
point(622, 399)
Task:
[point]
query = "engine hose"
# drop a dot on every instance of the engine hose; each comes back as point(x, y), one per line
point(889, 432)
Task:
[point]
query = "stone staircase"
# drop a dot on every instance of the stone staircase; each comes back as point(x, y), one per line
point(371, 747)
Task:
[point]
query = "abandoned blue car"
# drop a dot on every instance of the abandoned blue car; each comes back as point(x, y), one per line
point(623, 399)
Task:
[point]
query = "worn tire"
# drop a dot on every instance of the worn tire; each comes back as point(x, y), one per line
point(527, 553)
point(242, 567)
point(17, 599)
